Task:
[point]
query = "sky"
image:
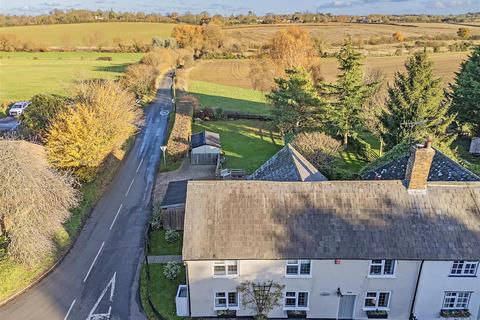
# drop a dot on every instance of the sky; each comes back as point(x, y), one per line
point(352, 7)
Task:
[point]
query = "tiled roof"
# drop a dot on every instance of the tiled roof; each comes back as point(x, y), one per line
point(287, 165)
point(443, 169)
point(205, 138)
point(331, 219)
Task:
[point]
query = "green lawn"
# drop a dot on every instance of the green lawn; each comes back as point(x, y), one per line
point(247, 144)
point(159, 246)
point(229, 98)
point(162, 291)
point(24, 74)
point(470, 161)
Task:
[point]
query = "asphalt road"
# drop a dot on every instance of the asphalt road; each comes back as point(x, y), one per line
point(8, 124)
point(98, 279)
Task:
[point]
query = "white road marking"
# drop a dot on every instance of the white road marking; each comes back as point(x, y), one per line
point(94, 260)
point(97, 316)
point(69, 309)
point(115, 219)
point(139, 165)
point(129, 187)
point(164, 112)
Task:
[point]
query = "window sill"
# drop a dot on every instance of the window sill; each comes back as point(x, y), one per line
point(226, 309)
point(296, 309)
point(225, 277)
point(376, 309)
point(461, 276)
point(370, 276)
point(298, 276)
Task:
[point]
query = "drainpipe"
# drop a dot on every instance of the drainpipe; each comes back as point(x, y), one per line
point(416, 289)
point(188, 289)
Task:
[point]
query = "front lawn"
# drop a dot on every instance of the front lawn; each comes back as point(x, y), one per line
point(247, 144)
point(229, 98)
point(159, 246)
point(162, 291)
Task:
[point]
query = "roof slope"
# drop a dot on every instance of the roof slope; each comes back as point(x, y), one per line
point(176, 194)
point(331, 219)
point(443, 169)
point(205, 138)
point(287, 165)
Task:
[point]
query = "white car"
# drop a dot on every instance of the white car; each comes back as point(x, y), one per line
point(18, 108)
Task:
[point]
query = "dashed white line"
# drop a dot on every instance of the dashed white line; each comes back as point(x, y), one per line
point(94, 260)
point(139, 165)
point(129, 187)
point(116, 215)
point(69, 309)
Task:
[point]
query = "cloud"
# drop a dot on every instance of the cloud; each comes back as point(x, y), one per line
point(351, 3)
point(441, 4)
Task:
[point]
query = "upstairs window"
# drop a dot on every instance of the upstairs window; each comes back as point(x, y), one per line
point(228, 268)
point(298, 267)
point(377, 300)
point(226, 300)
point(464, 268)
point(382, 268)
point(296, 300)
point(456, 300)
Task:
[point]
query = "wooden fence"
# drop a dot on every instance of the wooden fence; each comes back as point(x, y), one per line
point(173, 218)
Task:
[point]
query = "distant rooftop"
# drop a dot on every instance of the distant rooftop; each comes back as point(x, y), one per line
point(205, 138)
point(287, 165)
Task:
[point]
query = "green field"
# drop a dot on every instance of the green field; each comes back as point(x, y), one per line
point(68, 35)
point(229, 98)
point(23, 74)
point(247, 144)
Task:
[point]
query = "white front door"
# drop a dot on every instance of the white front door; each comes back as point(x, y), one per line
point(346, 307)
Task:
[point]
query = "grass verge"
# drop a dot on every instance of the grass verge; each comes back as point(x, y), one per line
point(159, 246)
point(247, 144)
point(162, 291)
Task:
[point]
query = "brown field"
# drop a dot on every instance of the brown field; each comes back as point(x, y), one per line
point(334, 33)
point(235, 72)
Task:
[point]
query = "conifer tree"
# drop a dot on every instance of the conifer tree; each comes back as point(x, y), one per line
point(466, 93)
point(416, 105)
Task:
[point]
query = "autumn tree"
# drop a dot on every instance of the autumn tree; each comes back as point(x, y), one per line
point(292, 47)
point(463, 33)
point(295, 102)
point(348, 96)
point(80, 139)
point(466, 93)
point(34, 201)
point(187, 36)
point(262, 297)
point(416, 105)
point(140, 79)
point(41, 112)
point(398, 36)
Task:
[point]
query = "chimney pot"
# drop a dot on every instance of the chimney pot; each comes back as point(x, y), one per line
point(428, 142)
point(418, 167)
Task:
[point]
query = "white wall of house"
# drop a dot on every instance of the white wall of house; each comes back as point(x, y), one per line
point(351, 276)
point(206, 149)
point(435, 280)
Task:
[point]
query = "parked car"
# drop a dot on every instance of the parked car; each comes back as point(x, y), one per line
point(18, 108)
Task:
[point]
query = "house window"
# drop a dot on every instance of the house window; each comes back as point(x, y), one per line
point(382, 268)
point(226, 300)
point(464, 268)
point(225, 268)
point(456, 300)
point(377, 300)
point(296, 300)
point(298, 267)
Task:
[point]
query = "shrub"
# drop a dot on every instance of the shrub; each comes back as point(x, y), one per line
point(178, 142)
point(171, 270)
point(363, 150)
point(156, 221)
point(141, 80)
point(162, 59)
point(4, 107)
point(219, 114)
point(319, 148)
point(171, 236)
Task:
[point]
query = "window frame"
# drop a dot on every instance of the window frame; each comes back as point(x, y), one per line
point(456, 300)
point(296, 307)
point(227, 306)
point(464, 263)
point(382, 269)
point(225, 264)
point(298, 264)
point(377, 296)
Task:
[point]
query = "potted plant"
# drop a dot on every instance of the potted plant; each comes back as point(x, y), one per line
point(226, 313)
point(377, 314)
point(455, 313)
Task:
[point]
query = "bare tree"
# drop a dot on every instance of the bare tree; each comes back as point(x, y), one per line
point(262, 297)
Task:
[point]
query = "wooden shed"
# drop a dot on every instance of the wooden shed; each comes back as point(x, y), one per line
point(173, 205)
point(206, 148)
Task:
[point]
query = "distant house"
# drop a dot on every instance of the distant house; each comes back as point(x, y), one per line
point(475, 146)
point(287, 165)
point(398, 249)
point(206, 148)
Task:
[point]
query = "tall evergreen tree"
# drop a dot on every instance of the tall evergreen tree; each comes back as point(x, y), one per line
point(466, 92)
point(295, 102)
point(416, 105)
point(348, 95)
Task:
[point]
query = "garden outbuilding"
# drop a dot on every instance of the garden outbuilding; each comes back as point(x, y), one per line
point(206, 148)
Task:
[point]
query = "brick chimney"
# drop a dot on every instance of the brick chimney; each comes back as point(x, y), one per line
point(418, 167)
